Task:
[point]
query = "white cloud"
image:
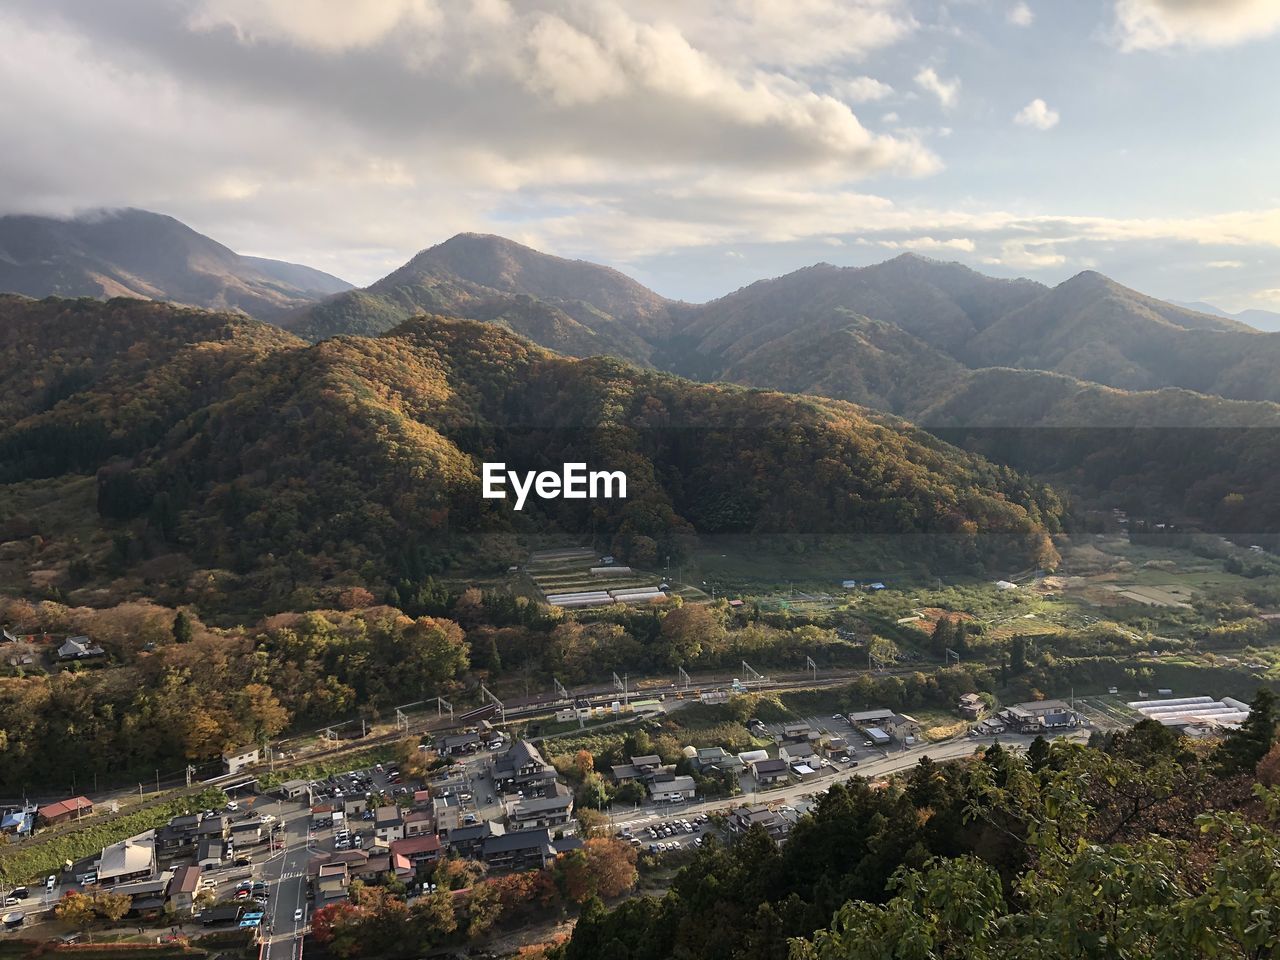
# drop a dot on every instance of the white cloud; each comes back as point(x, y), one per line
point(1225, 264)
point(861, 89)
point(963, 244)
point(1020, 15)
point(1156, 24)
point(945, 90)
point(1037, 114)
point(1020, 255)
point(327, 25)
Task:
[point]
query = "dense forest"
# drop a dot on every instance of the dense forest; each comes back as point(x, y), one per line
point(1135, 846)
point(249, 451)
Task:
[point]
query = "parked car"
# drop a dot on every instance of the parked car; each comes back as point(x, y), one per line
point(21, 893)
point(50, 882)
point(298, 915)
point(11, 901)
point(232, 806)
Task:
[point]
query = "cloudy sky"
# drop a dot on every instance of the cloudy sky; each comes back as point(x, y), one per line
point(696, 144)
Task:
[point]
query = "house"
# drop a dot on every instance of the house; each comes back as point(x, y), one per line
point(246, 833)
point(836, 747)
point(421, 799)
point(1040, 716)
point(744, 818)
point(419, 851)
point(388, 825)
point(183, 887)
point(379, 865)
point(418, 822)
point(210, 854)
point(796, 752)
point(518, 850)
point(222, 913)
point(177, 833)
point(748, 757)
point(554, 811)
point(971, 706)
point(708, 758)
point(79, 648)
point(770, 771)
point(17, 822)
point(870, 718)
point(354, 806)
point(128, 860)
point(446, 811)
point(521, 768)
point(146, 897)
point(625, 772)
point(646, 764)
point(796, 731)
point(65, 810)
point(468, 842)
point(883, 726)
point(672, 790)
point(233, 761)
point(330, 884)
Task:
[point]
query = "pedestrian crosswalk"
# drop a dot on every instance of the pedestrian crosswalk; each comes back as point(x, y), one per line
point(291, 874)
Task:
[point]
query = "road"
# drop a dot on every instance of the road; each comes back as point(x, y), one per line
point(287, 873)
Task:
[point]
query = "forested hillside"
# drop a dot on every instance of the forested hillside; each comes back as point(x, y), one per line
point(239, 445)
point(1135, 847)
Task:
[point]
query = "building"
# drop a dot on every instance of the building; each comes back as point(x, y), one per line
point(769, 772)
point(419, 851)
point(128, 861)
point(672, 791)
point(458, 744)
point(518, 850)
point(210, 854)
point(647, 763)
point(836, 747)
point(625, 772)
point(64, 810)
point(388, 824)
point(522, 769)
point(716, 758)
point(330, 883)
point(418, 822)
point(184, 886)
point(796, 752)
point(971, 706)
point(1040, 716)
point(322, 815)
point(246, 833)
point(17, 822)
point(469, 841)
point(1195, 717)
point(294, 789)
point(744, 818)
point(79, 648)
point(233, 761)
point(554, 811)
point(883, 726)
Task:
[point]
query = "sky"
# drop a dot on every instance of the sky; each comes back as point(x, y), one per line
point(698, 145)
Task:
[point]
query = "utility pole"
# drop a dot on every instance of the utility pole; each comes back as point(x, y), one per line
point(812, 666)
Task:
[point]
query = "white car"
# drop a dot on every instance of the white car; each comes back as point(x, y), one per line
point(297, 915)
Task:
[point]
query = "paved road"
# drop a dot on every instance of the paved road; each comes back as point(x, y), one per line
point(287, 874)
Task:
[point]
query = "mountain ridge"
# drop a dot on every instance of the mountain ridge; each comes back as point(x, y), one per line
point(136, 253)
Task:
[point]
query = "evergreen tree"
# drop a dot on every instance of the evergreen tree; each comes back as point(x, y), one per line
point(181, 628)
point(1243, 748)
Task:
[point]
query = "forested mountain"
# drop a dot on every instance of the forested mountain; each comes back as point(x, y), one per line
point(239, 443)
point(570, 306)
point(134, 253)
point(1266, 320)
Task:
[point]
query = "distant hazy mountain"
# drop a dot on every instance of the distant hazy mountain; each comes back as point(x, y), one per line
point(571, 306)
point(1266, 320)
point(133, 253)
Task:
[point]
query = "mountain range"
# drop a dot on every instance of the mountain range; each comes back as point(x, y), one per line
point(134, 253)
point(1113, 393)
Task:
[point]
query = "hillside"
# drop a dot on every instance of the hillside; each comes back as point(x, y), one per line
point(134, 253)
point(237, 443)
point(570, 306)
